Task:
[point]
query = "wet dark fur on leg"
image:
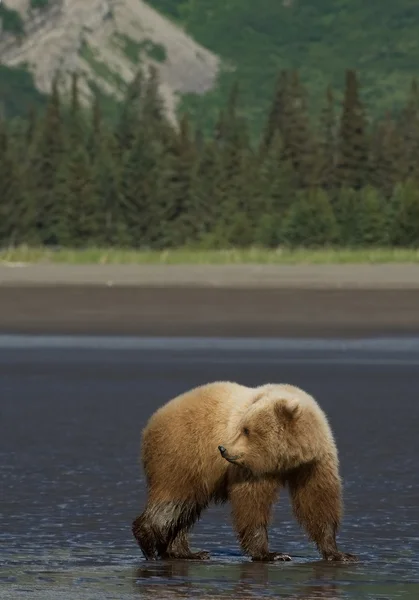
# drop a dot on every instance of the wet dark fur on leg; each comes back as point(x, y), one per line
point(252, 502)
point(315, 491)
point(161, 530)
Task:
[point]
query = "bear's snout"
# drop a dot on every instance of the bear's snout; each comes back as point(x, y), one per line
point(225, 454)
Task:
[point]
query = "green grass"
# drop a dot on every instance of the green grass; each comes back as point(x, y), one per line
point(210, 257)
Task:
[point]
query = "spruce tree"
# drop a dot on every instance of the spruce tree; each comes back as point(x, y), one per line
point(96, 129)
point(79, 204)
point(153, 113)
point(352, 169)
point(188, 213)
point(139, 178)
point(275, 120)
point(371, 220)
point(409, 132)
point(16, 217)
point(310, 221)
point(31, 125)
point(145, 169)
point(345, 203)
point(206, 185)
point(75, 122)
point(299, 143)
point(328, 143)
point(112, 228)
point(405, 226)
point(44, 161)
point(386, 157)
point(233, 192)
point(173, 201)
point(275, 190)
point(129, 117)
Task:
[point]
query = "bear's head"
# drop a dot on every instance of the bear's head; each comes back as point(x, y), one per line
point(282, 429)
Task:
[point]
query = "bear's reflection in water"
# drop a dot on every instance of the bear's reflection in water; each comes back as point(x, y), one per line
point(188, 580)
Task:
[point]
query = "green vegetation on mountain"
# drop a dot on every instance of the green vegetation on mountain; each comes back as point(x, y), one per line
point(132, 49)
point(320, 38)
point(11, 21)
point(39, 4)
point(257, 40)
point(18, 92)
point(71, 178)
point(100, 67)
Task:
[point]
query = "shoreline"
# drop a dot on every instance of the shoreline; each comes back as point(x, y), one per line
point(255, 276)
point(326, 301)
point(208, 312)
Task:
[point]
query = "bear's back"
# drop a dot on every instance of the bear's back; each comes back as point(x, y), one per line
point(221, 396)
point(188, 429)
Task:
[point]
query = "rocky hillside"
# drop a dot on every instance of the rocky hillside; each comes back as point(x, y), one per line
point(189, 40)
point(105, 41)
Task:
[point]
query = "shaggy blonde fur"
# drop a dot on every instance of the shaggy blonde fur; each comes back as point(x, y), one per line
point(224, 442)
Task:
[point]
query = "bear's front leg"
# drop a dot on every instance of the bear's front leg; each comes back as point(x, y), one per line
point(316, 496)
point(251, 510)
point(179, 548)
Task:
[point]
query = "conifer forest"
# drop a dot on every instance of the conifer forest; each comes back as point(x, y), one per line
point(71, 178)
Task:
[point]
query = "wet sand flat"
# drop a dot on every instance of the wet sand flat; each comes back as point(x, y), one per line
point(71, 484)
point(202, 300)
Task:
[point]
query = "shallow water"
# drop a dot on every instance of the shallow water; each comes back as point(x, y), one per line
point(71, 412)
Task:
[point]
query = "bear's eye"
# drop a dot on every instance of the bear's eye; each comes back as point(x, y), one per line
point(246, 431)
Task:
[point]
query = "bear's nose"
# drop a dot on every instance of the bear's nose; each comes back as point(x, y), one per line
point(222, 449)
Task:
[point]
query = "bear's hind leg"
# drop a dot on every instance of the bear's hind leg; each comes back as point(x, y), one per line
point(162, 528)
point(315, 491)
point(251, 509)
point(144, 534)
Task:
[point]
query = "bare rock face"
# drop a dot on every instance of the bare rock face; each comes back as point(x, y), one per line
point(106, 41)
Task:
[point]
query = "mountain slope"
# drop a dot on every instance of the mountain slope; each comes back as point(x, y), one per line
point(106, 40)
point(234, 38)
point(321, 38)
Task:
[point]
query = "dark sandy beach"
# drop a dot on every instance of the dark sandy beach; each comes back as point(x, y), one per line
point(196, 300)
point(72, 419)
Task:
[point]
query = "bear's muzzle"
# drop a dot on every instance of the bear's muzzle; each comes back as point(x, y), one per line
point(225, 454)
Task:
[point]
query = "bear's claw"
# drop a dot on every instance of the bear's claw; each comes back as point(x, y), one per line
point(202, 555)
point(272, 556)
point(341, 557)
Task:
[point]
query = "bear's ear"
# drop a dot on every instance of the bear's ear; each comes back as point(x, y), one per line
point(288, 408)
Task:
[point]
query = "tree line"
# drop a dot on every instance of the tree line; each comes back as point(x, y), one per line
point(71, 178)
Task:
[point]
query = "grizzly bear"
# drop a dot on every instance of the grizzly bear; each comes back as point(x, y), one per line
point(223, 441)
